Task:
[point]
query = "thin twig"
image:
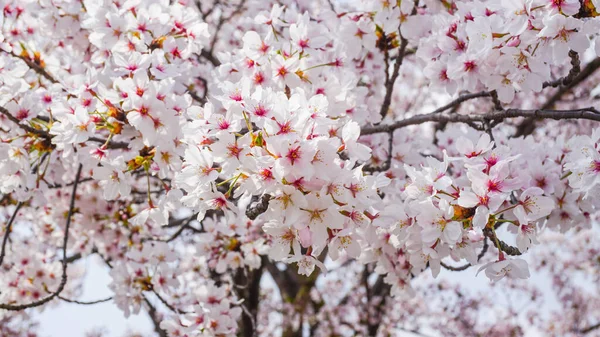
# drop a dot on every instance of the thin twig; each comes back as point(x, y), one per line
point(184, 226)
point(63, 280)
point(7, 230)
point(388, 161)
point(33, 66)
point(172, 308)
point(208, 53)
point(390, 81)
point(461, 99)
point(47, 135)
point(25, 127)
point(466, 266)
point(331, 5)
point(85, 302)
point(590, 328)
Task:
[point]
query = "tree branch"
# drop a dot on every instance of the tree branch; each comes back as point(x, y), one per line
point(25, 127)
point(7, 231)
point(209, 11)
point(85, 302)
point(575, 70)
point(330, 2)
point(461, 99)
point(45, 134)
point(250, 293)
point(155, 319)
point(584, 113)
point(172, 308)
point(527, 126)
point(590, 328)
point(208, 55)
point(63, 280)
point(503, 246)
point(33, 66)
point(184, 225)
point(388, 161)
point(390, 81)
point(259, 207)
point(465, 266)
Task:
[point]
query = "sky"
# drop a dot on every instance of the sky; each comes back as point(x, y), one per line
point(73, 320)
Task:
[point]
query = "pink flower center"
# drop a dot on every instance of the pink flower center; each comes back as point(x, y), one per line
point(260, 110)
point(596, 166)
point(494, 186)
point(303, 43)
point(470, 66)
point(293, 155)
point(22, 114)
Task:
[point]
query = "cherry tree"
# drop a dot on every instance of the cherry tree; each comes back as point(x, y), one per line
point(303, 168)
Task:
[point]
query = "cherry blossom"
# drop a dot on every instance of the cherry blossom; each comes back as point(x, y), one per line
point(302, 167)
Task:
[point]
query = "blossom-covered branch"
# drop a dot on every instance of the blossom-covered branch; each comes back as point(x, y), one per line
point(589, 113)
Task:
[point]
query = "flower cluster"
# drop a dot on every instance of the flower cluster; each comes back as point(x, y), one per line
point(196, 146)
point(508, 47)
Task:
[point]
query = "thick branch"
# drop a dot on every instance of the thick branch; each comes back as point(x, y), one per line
point(503, 246)
point(583, 75)
point(286, 282)
point(155, 319)
point(575, 70)
point(527, 126)
point(250, 293)
point(208, 55)
point(382, 290)
point(585, 113)
point(259, 207)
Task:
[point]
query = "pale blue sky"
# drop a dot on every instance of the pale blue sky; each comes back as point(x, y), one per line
point(73, 320)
